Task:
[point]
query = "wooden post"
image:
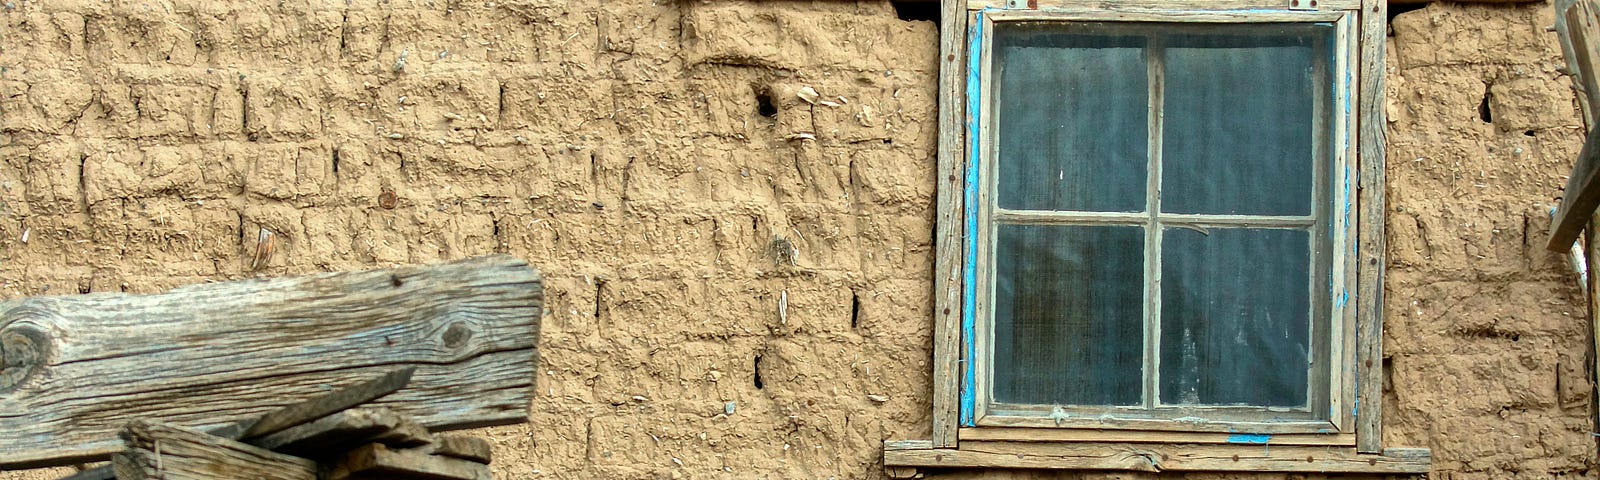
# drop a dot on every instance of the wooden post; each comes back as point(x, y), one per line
point(76, 369)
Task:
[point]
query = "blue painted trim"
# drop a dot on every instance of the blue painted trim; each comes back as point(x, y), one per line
point(1249, 439)
point(969, 265)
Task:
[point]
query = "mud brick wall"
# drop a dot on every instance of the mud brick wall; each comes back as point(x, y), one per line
point(655, 161)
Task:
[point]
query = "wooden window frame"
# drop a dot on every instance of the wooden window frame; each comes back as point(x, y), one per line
point(1349, 441)
point(1330, 389)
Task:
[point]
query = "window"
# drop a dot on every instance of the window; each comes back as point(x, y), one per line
point(1154, 224)
point(1159, 238)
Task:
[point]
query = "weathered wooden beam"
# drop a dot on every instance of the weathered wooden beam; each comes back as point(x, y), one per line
point(158, 451)
point(78, 368)
point(378, 462)
point(1581, 197)
point(1157, 457)
point(344, 431)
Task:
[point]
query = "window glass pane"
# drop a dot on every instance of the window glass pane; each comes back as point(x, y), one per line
point(1068, 314)
point(1237, 137)
point(1235, 317)
point(1072, 126)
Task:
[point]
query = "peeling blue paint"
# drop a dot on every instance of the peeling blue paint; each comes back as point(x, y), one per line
point(970, 205)
point(1249, 439)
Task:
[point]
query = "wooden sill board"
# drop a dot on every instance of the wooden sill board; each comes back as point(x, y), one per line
point(1141, 436)
point(1151, 457)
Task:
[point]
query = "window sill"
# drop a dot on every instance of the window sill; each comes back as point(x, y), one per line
point(904, 458)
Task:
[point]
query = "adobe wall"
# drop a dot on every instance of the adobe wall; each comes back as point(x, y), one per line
point(625, 150)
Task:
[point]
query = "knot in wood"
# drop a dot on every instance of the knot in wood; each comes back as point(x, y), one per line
point(457, 335)
point(25, 345)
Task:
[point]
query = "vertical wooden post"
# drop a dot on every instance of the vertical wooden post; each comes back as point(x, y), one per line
point(947, 352)
point(1372, 247)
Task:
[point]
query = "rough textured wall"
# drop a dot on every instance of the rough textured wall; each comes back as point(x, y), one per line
point(657, 163)
point(1485, 334)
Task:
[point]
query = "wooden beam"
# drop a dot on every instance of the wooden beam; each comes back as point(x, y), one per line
point(1580, 198)
point(158, 451)
point(1160, 458)
point(378, 462)
point(949, 222)
point(78, 368)
point(1371, 248)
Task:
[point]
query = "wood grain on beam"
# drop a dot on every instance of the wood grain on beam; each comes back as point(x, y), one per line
point(948, 226)
point(78, 368)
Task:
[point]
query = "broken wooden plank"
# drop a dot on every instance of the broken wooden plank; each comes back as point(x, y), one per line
point(157, 450)
point(78, 368)
point(292, 415)
point(303, 412)
point(377, 461)
point(463, 447)
point(343, 431)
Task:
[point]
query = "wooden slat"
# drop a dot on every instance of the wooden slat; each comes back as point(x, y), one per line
point(1371, 246)
point(1161, 458)
point(1144, 436)
point(78, 368)
point(462, 447)
point(160, 451)
point(948, 242)
point(1161, 4)
point(347, 430)
point(376, 461)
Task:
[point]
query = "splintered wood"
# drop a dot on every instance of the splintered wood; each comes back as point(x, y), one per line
point(157, 450)
point(76, 369)
point(353, 444)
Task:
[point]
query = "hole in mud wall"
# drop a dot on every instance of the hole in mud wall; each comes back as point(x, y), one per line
point(1483, 107)
point(917, 11)
point(599, 300)
point(764, 104)
point(757, 376)
point(855, 310)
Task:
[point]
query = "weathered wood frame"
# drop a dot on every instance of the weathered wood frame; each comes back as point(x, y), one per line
point(1360, 365)
point(1327, 394)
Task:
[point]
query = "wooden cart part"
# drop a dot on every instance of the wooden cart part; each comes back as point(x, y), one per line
point(76, 369)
